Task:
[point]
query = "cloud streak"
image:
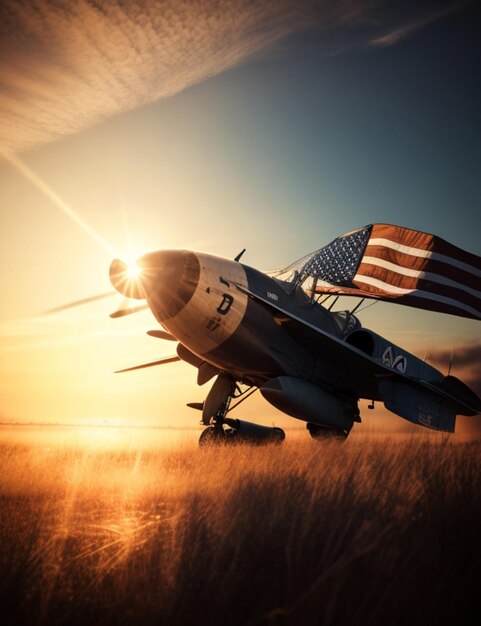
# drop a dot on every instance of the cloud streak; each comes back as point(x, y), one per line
point(65, 66)
point(402, 32)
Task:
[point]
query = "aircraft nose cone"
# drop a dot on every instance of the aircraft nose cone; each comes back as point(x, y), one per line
point(172, 276)
point(126, 279)
point(167, 279)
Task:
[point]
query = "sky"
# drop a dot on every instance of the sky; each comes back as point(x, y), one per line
point(217, 126)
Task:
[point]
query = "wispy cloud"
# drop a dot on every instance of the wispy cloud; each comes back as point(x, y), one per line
point(65, 66)
point(399, 33)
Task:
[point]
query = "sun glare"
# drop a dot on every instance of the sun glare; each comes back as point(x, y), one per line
point(57, 200)
point(133, 270)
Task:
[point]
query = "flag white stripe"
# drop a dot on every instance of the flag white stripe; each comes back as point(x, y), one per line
point(405, 271)
point(416, 293)
point(425, 254)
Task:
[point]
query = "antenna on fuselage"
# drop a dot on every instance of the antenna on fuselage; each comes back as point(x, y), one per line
point(238, 257)
point(451, 360)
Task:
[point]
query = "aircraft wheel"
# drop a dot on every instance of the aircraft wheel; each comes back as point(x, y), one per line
point(212, 435)
point(324, 433)
point(278, 436)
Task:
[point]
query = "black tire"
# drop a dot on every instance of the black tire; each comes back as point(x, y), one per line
point(278, 436)
point(212, 435)
point(326, 433)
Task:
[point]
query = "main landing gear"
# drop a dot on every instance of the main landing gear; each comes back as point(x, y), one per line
point(226, 430)
point(238, 431)
point(326, 433)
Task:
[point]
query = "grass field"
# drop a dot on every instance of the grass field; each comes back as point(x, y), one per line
point(380, 530)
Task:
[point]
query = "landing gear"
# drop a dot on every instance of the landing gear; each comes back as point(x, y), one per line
point(327, 433)
point(226, 430)
point(237, 431)
point(212, 435)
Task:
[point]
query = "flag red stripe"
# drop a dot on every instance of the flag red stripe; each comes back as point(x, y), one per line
point(424, 241)
point(418, 302)
point(409, 282)
point(430, 305)
point(423, 265)
point(405, 236)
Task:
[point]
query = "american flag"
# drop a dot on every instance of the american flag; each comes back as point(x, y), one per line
point(401, 265)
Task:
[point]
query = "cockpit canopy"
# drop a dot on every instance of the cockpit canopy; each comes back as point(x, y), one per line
point(304, 275)
point(347, 322)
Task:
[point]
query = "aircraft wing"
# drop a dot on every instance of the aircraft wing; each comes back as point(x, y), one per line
point(433, 403)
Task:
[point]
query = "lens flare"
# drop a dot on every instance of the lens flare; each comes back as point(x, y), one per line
point(132, 271)
point(125, 278)
point(57, 200)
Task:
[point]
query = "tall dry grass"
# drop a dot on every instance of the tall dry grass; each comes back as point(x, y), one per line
point(376, 531)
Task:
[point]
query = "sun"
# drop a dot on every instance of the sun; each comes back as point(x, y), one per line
point(132, 270)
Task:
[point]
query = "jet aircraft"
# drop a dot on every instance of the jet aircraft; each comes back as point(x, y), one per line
point(277, 332)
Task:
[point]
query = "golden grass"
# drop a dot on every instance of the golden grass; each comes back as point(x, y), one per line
point(376, 531)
